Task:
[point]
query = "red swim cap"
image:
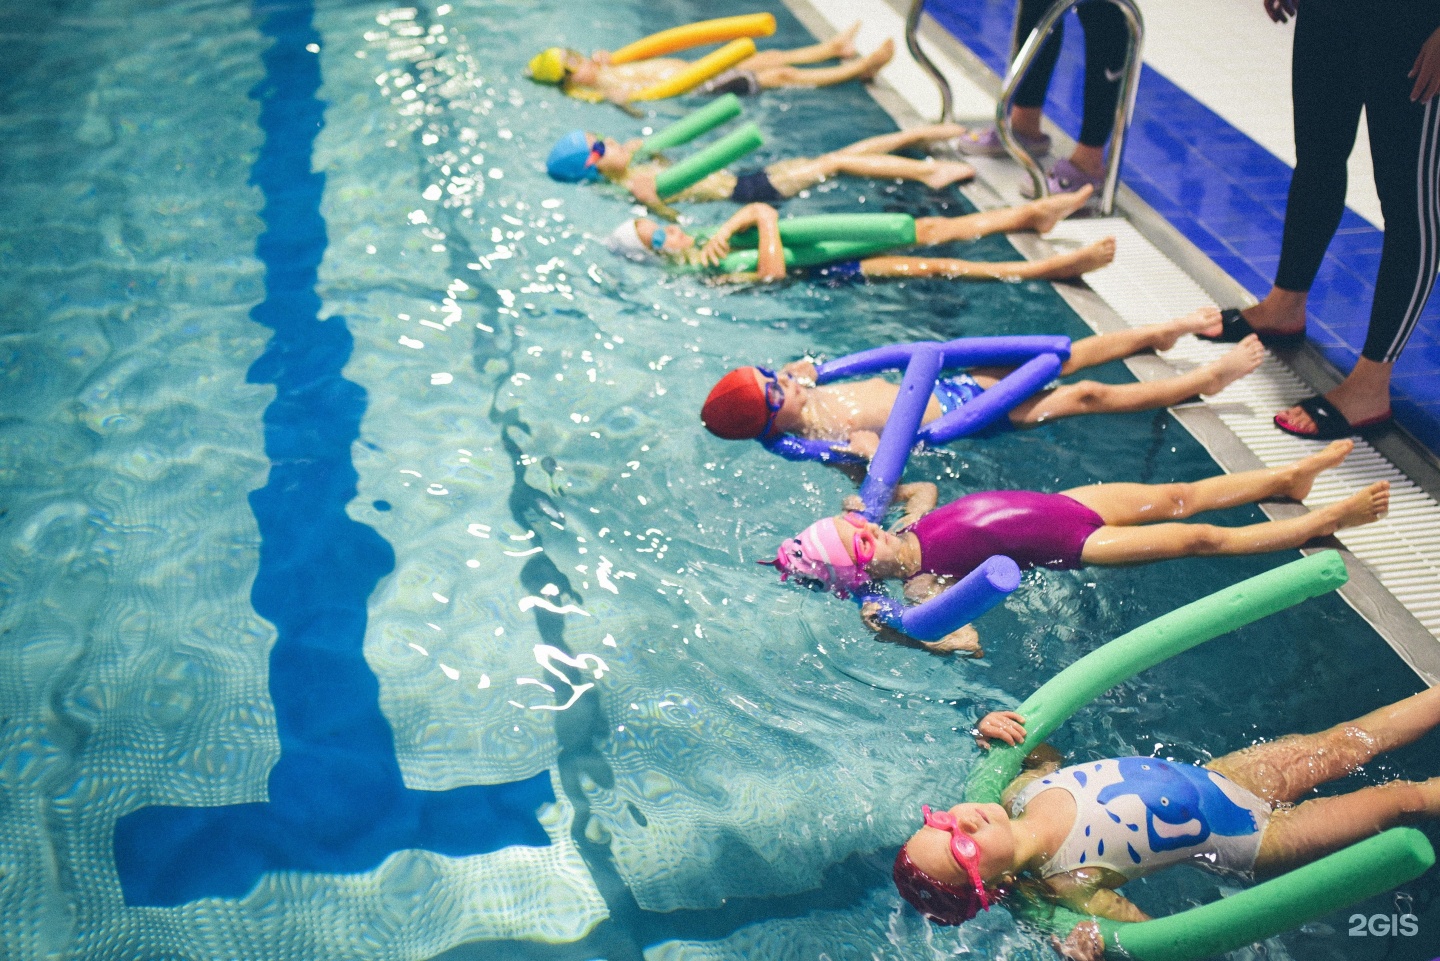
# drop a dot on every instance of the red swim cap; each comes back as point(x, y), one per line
point(947, 904)
point(735, 409)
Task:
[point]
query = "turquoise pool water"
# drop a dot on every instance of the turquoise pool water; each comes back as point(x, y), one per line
point(369, 588)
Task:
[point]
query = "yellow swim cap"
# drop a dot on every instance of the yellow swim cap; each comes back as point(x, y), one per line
point(548, 66)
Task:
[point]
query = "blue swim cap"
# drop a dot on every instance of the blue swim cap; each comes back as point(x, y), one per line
point(568, 159)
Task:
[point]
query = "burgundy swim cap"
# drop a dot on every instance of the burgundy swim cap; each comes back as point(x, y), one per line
point(947, 904)
point(735, 409)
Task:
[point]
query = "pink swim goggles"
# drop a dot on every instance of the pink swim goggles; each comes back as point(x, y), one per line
point(819, 554)
point(962, 848)
point(940, 901)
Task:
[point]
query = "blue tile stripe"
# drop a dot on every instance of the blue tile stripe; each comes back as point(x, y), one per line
point(337, 802)
point(1226, 194)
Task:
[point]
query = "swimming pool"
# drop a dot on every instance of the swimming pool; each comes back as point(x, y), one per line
point(339, 461)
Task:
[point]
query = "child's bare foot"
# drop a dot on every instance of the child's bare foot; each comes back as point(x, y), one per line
point(947, 172)
point(1070, 265)
point(1241, 360)
point(1206, 320)
point(842, 45)
point(1306, 469)
point(1049, 211)
point(878, 58)
point(1362, 507)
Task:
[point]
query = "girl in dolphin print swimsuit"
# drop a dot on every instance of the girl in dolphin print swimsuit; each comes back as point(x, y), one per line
point(1075, 834)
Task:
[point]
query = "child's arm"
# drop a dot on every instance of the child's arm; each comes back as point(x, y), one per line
point(966, 640)
point(1081, 891)
point(918, 500)
point(1009, 727)
point(765, 220)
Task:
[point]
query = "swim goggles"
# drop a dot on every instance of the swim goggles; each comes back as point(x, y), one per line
point(962, 848)
point(597, 150)
point(863, 541)
point(774, 393)
point(657, 240)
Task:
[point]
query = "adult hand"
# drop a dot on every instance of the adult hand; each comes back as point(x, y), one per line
point(1084, 943)
point(1426, 71)
point(1004, 726)
point(1281, 10)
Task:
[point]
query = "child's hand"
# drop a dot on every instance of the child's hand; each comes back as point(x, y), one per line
point(864, 443)
point(870, 615)
point(1084, 943)
point(803, 371)
point(601, 56)
point(716, 249)
point(1004, 726)
point(642, 186)
point(852, 503)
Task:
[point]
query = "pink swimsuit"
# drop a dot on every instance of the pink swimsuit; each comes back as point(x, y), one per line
point(1036, 530)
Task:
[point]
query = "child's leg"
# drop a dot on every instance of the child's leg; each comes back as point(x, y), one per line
point(839, 47)
point(1160, 542)
point(1311, 830)
point(1093, 397)
point(1103, 348)
point(1284, 770)
point(1125, 504)
point(860, 68)
point(1059, 267)
point(891, 142)
point(789, 177)
point(1037, 215)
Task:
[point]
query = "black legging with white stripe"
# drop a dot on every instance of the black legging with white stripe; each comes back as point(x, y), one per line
point(1349, 54)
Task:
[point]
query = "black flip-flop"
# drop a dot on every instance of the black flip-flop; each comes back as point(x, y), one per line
point(1330, 424)
point(1235, 328)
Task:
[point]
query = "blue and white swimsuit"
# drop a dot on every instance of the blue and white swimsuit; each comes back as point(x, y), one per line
point(1135, 815)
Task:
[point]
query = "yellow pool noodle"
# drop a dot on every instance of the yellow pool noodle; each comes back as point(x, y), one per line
point(694, 35)
point(699, 71)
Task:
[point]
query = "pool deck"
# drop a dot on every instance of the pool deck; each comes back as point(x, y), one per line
point(1199, 218)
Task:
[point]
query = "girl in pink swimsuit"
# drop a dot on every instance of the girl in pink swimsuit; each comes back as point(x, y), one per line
point(1108, 524)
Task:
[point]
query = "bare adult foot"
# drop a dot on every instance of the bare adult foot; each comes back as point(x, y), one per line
point(1206, 320)
point(878, 58)
point(1305, 470)
point(1049, 211)
point(1070, 265)
point(947, 172)
point(1239, 361)
point(1362, 398)
point(1281, 312)
point(1362, 507)
point(842, 44)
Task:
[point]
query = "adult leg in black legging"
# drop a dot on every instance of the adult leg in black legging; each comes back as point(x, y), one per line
point(1347, 55)
point(1106, 39)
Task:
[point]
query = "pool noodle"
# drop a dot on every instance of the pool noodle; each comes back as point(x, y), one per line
point(811, 255)
point(960, 352)
point(898, 437)
point(696, 34)
point(687, 128)
point(1376, 864)
point(892, 230)
point(997, 401)
point(683, 81)
point(963, 601)
point(702, 163)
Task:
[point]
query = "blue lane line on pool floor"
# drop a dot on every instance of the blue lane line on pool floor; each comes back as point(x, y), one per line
point(1226, 194)
point(337, 802)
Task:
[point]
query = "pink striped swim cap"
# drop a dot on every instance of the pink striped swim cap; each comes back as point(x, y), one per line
point(818, 554)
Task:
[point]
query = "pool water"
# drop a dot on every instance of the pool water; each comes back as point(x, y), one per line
point(370, 589)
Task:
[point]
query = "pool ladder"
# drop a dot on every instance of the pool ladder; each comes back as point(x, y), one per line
point(1020, 62)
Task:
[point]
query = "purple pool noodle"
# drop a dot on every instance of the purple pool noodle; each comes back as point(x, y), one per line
point(997, 401)
point(961, 352)
point(791, 447)
point(888, 464)
point(962, 602)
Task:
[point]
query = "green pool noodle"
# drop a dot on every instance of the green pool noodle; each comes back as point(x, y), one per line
point(1332, 883)
point(701, 164)
point(892, 230)
point(812, 255)
point(690, 126)
point(1121, 659)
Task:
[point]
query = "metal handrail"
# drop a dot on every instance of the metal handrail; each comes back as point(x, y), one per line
point(1124, 106)
point(912, 42)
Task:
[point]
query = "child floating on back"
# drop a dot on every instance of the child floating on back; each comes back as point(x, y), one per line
point(752, 402)
point(1073, 835)
point(595, 78)
point(644, 239)
point(580, 156)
